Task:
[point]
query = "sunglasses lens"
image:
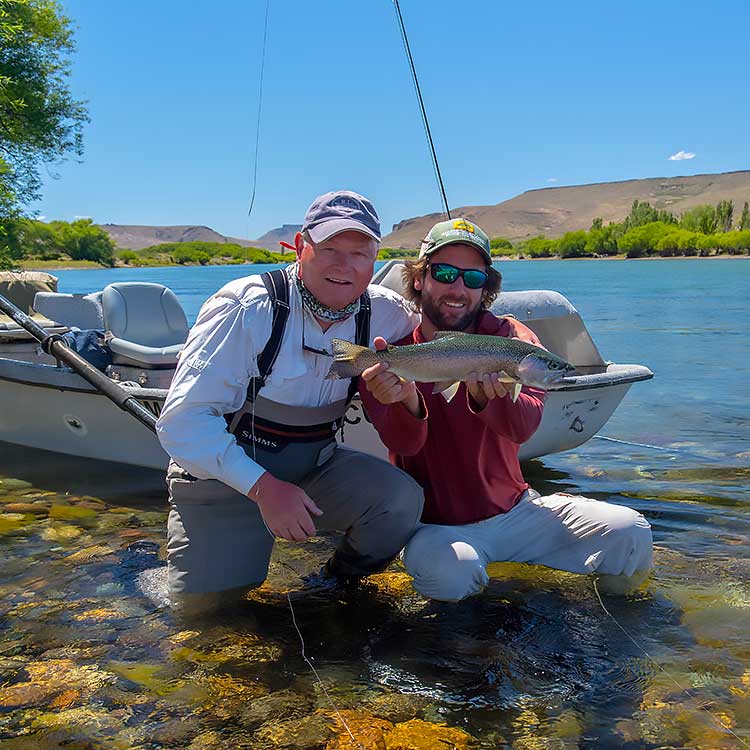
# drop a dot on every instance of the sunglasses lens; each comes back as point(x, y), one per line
point(444, 273)
point(475, 279)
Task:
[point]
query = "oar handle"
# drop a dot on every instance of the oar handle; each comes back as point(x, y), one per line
point(54, 345)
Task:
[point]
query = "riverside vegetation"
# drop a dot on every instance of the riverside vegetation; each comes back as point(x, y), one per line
point(645, 232)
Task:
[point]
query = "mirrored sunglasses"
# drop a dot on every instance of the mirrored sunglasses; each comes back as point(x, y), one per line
point(447, 274)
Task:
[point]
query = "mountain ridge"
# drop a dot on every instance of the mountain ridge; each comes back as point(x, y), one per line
point(550, 210)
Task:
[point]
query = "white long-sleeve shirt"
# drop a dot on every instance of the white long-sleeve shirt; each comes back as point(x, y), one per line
point(220, 358)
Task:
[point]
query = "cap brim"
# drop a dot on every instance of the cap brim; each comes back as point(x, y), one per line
point(328, 229)
point(457, 241)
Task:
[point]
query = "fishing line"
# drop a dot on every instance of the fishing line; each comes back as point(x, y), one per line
point(425, 121)
point(637, 445)
point(317, 676)
point(291, 608)
point(260, 106)
point(653, 661)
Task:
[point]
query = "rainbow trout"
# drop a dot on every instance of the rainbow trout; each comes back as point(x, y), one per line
point(451, 356)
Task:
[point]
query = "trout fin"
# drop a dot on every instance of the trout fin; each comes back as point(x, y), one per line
point(503, 377)
point(448, 388)
point(344, 359)
point(514, 391)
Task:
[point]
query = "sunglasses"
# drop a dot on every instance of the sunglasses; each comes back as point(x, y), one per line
point(447, 274)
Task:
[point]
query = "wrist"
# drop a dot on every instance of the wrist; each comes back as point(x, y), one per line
point(413, 404)
point(261, 487)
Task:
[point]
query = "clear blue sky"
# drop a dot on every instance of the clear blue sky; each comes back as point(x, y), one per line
point(520, 96)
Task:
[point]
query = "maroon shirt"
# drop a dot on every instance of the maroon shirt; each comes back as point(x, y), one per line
point(466, 460)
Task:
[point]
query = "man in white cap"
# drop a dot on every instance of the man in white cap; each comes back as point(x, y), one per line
point(250, 421)
point(478, 507)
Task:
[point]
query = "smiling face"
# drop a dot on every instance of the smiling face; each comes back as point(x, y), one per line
point(338, 270)
point(450, 307)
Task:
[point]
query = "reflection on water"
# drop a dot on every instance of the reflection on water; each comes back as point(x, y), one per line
point(87, 660)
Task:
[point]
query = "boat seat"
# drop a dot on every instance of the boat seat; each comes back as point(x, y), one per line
point(82, 311)
point(147, 324)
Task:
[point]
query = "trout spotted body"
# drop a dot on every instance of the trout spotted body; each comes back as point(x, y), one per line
point(451, 357)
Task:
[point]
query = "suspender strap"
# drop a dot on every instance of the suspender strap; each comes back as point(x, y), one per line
point(276, 283)
point(277, 286)
point(362, 335)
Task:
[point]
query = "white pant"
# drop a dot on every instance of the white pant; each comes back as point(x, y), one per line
point(567, 532)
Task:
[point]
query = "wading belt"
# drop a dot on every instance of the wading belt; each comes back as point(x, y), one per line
point(277, 286)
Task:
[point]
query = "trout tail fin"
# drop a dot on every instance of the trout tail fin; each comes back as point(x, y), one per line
point(347, 360)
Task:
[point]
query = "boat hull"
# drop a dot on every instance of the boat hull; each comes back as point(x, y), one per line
point(54, 409)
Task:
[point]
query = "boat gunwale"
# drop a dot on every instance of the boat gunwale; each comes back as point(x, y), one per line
point(620, 375)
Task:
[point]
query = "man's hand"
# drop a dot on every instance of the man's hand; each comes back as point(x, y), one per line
point(486, 388)
point(285, 508)
point(389, 388)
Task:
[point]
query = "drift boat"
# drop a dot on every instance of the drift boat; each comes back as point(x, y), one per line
point(45, 404)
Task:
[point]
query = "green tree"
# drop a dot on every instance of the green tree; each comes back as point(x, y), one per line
point(572, 244)
point(745, 218)
point(539, 247)
point(81, 240)
point(597, 223)
point(724, 212)
point(40, 121)
point(500, 243)
point(700, 219)
point(642, 212)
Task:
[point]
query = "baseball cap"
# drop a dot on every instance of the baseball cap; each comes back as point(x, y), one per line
point(456, 230)
point(339, 211)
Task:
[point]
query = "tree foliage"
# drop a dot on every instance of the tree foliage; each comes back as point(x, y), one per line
point(745, 218)
point(40, 121)
point(22, 239)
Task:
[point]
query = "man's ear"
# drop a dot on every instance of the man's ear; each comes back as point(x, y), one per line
point(299, 244)
point(418, 284)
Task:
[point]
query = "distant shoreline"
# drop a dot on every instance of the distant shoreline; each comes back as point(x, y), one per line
point(91, 265)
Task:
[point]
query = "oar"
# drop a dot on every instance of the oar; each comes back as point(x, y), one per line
point(53, 344)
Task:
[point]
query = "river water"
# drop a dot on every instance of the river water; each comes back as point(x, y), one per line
point(88, 661)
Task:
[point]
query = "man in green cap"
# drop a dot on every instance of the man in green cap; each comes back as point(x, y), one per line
point(478, 508)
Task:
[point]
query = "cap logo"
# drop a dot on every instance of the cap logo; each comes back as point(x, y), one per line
point(465, 225)
point(346, 202)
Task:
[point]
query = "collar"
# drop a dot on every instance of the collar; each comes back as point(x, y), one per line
point(488, 324)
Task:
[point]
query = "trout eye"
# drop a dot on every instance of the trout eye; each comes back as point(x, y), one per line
point(554, 366)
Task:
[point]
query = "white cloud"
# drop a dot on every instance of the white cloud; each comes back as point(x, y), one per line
point(680, 155)
point(76, 217)
point(41, 218)
point(552, 179)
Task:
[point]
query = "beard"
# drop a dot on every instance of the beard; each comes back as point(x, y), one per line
point(447, 321)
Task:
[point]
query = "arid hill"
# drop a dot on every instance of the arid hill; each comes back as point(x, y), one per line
point(135, 237)
point(556, 210)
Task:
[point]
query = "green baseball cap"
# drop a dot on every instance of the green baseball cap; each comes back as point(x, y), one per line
point(453, 231)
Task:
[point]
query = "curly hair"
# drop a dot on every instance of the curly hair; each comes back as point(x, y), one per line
point(417, 269)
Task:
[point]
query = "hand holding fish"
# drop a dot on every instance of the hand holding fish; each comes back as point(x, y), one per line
point(485, 388)
point(389, 388)
point(285, 508)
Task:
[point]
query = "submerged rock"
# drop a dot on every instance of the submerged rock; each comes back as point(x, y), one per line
point(49, 680)
point(423, 735)
point(283, 704)
point(357, 730)
point(308, 733)
point(397, 707)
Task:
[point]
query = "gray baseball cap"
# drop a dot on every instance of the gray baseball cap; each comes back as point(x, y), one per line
point(341, 211)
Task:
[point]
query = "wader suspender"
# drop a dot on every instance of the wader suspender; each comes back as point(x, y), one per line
point(277, 285)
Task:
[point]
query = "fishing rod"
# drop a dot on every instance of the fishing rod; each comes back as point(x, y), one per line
point(422, 108)
point(54, 345)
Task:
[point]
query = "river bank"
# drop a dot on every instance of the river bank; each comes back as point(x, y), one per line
point(73, 265)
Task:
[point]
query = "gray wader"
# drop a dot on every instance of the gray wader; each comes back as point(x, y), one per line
point(217, 539)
